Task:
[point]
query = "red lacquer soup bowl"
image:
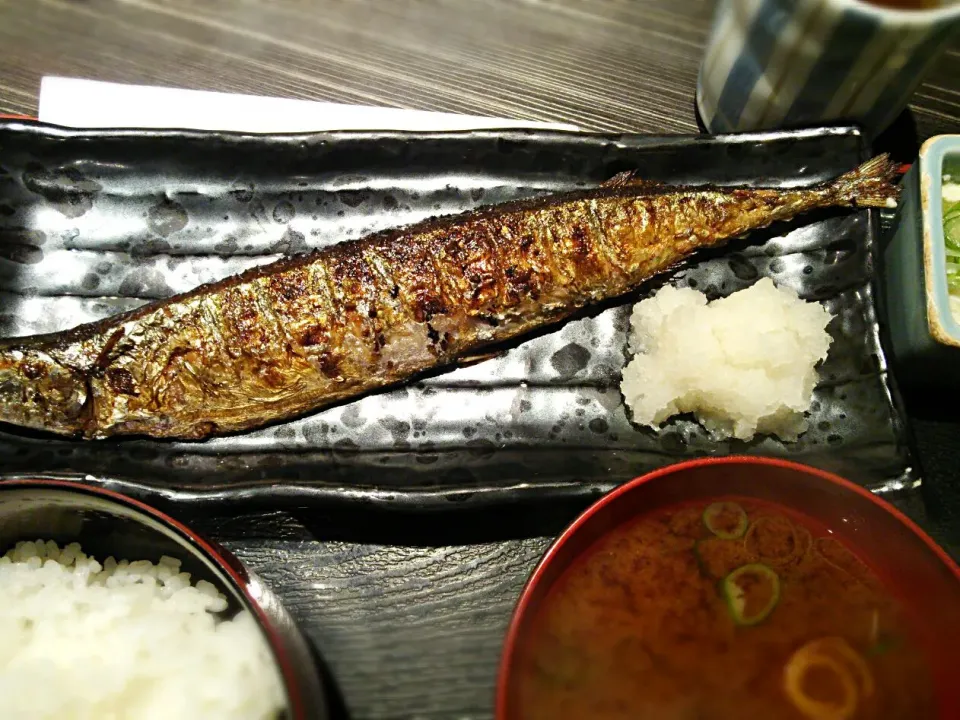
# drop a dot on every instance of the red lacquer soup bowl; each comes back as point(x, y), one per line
point(908, 572)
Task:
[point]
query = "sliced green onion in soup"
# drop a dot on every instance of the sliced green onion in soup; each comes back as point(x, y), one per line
point(726, 520)
point(751, 593)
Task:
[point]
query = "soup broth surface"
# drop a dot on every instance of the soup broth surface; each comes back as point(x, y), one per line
point(737, 612)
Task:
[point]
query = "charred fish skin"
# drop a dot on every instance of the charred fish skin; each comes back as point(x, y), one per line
point(306, 332)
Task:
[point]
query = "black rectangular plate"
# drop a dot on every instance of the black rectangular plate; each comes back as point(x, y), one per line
point(95, 222)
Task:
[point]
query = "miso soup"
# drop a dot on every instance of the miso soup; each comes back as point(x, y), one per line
point(731, 610)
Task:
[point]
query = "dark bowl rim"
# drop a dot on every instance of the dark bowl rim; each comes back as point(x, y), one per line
point(531, 587)
point(221, 557)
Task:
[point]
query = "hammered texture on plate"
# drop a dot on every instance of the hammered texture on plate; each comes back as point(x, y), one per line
point(93, 223)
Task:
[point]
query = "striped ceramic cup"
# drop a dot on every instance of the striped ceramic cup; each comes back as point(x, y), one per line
point(790, 63)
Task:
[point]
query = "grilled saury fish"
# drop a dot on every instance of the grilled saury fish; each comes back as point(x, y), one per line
point(312, 330)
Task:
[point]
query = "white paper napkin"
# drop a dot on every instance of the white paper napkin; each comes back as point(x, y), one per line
point(79, 103)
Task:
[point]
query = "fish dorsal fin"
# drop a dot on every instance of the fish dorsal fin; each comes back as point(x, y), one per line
point(628, 179)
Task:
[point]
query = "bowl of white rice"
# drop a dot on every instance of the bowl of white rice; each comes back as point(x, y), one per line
point(111, 609)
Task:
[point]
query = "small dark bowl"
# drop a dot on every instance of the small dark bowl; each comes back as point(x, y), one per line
point(106, 523)
point(910, 564)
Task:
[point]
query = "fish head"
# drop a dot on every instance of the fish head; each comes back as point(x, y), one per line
point(38, 392)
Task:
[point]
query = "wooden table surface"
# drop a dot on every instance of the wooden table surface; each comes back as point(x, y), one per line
point(411, 624)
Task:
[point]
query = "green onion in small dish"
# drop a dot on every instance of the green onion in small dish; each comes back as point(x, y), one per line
point(950, 203)
point(921, 269)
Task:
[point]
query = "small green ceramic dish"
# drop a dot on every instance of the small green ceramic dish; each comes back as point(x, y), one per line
point(923, 332)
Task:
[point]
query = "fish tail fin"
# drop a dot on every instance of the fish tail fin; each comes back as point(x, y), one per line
point(870, 185)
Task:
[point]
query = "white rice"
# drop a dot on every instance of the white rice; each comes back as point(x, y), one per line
point(85, 641)
point(744, 364)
